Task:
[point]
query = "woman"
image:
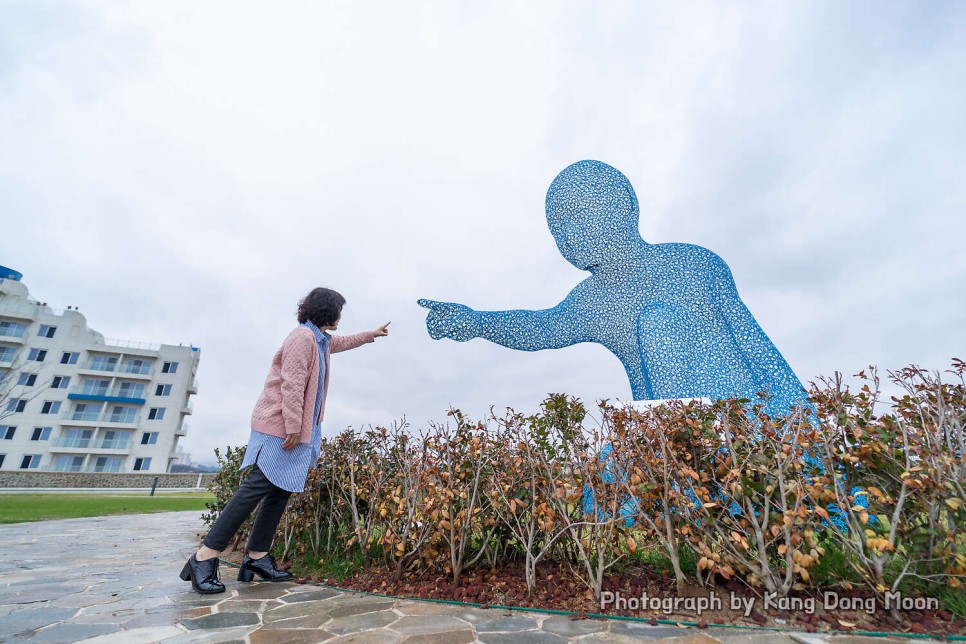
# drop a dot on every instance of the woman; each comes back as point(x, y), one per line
point(284, 443)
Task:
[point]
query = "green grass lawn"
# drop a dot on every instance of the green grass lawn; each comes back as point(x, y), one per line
point(16, 508)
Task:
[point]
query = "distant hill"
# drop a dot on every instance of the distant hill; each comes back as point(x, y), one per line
point(194, 469)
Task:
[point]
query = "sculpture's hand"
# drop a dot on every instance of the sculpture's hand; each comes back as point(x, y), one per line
point(449, 320)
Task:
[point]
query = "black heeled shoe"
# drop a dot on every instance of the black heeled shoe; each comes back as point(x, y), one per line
point(264, 568)
point(203, 575)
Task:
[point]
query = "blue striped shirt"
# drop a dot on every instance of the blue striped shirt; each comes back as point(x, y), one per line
point(287, 468)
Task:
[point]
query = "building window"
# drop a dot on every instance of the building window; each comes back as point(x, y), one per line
point(86, 411)
point(40, 433)
point(30, 462)
point(163, 390)
point(115, 440)
point(2, 457)
point(77, 438)
point(6, 433)
point(12, 329)
point(120, 414)
point(169, 367)
point(69, 463)
point(147, 438)
point(140, 367)
point(69, 357)
point(50, 407)
point(141, 464)
point(37, 355)
point(27, 379)
point(156, 413)
point(7, 354)
point(95, 387)
point(60, 382)
point(107, 464)
point(131, 390)
point(16, 405)
point(104, 363)
point(47, 331)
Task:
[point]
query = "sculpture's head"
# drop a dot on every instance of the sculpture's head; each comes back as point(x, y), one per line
point(592, 213)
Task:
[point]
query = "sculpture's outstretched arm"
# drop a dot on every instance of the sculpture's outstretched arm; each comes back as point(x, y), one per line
point(523, 330)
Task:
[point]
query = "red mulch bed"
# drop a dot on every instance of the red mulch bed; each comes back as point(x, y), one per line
point(557, 589)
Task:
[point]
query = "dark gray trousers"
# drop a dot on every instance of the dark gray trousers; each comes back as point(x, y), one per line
point(256, 487)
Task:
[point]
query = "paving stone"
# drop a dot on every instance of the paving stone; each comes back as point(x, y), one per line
point(288, 611)
point(506, 624)
point(427, 624)
point(364, 622)
point(228, 636)
point(288, 636)
point(428, 608)
point(609, 638)
point(160, 617)
point(521, 637)
point(449, 637)
point(73, 632)
point(264, 590)
point(221, 620)
point(32, 619)
point(475, 615)
point(39, 593)
point(305, 621)
point(359, 607)
point(772, 637)
point(370, 637)
point(83, 600)
point(240, 605)
point(573, 627)
point(147, 634)
point(692, 638)
point(309, 595)
point(644, 632)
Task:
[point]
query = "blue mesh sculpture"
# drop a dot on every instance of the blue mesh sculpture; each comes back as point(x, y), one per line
point(669, 312)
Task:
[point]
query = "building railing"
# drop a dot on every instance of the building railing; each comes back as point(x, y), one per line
point(116, 392)
point(71, 441)
point(130, 344)
point(142, 370)
point(108, 416)
point(86, 416)
point(91, 443)
point(100, 365)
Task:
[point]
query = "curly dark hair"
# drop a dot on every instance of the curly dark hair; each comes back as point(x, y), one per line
point(322, 306)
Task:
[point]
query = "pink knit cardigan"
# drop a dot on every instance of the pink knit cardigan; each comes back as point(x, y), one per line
point(287, 403)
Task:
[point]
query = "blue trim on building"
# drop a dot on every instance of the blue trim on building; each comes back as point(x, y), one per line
point(118, 399)
point(10, 274)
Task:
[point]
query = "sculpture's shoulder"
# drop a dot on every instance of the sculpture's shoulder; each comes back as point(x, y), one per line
point(690, 256)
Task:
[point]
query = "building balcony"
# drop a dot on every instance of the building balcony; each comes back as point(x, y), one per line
point(188, 408)
point(182, 430)
point(100, 418)
point(15, 336)
point(98, 367)
point(100, 394)
point(193, 387)
point(145, 372)
point(81, 416)
point(85, 445)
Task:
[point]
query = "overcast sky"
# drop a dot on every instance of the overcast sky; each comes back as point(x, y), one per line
point(185, 171)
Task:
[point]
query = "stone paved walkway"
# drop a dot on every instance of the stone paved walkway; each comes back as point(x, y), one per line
point(115, 579)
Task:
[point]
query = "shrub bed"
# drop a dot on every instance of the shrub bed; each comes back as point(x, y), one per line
point(851, 496)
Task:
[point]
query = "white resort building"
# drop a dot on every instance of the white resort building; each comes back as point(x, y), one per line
point(71, 401)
